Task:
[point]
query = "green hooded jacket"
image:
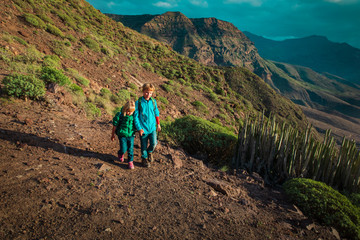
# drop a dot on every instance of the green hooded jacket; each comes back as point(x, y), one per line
point(124, 125)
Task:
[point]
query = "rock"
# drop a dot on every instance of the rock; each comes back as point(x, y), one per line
point(223, 187)
point(176, 161)
point(335, 233)
point(310, 226)
point(104, 167)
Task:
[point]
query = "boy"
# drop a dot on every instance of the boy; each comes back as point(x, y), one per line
point(146, 118)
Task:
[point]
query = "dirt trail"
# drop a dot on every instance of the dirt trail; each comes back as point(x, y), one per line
point(59, 181)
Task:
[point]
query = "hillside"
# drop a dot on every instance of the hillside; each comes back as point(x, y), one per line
point(315, 52)
point(215, 42)
point(59, 176)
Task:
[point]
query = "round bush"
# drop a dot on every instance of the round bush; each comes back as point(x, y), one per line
point(53, 75)
point(322, 202)
point(196, 134)
point(18, 85)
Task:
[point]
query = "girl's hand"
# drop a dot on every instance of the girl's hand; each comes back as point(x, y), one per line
point(141, 132)
point(159, 128)
point(112, 137)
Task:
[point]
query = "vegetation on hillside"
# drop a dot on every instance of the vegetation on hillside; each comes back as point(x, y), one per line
point(327, 205)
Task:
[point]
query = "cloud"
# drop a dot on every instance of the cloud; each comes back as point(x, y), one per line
point(199, 3)
point(170, 4)
point(255, 3)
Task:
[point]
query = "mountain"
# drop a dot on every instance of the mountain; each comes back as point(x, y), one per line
point(215, 42)
point(207, 40)
point(315, 52)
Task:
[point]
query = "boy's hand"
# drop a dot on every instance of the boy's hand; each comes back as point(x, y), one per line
point(141, 132)
point(159, 127)
point(112, 137)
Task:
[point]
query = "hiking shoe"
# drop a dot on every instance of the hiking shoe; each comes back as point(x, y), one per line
point(131, 165)
point(145, 162)
point(121, 158)
point(150, 157)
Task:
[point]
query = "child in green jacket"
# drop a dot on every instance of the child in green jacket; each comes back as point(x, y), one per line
point(123, 126)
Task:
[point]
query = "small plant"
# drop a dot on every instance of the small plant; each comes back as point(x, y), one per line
point(53, 75)
point(76, 88)
point(91, 43)
point(91, 110)
point(20, 40)
point(18, 85)
point(106, 93)
point(163, 100)
point(54, 30)
point(200, 106)
point(320, 201)
point(34, 20)
point(51, 61)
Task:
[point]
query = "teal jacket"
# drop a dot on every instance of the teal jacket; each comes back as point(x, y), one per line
point(144, 118)
point(124, 125)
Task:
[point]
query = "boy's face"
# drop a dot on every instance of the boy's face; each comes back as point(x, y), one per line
point(147, 94)
point(129, 113)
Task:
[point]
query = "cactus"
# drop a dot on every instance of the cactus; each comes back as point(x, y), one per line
point(279, 153)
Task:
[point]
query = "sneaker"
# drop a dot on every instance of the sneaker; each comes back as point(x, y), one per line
point(145, 162)
point(131, 165)
point(121, 158)
point(150, 157)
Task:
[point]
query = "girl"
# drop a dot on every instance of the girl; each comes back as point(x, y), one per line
point(125, 130)
point(146, 118)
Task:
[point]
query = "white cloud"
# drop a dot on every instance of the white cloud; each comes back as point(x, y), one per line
point(199, 3)
point(165, 4)
point(255, 3)
point(110, 4)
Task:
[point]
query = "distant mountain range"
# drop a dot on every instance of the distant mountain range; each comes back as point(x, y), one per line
point(315, 52)
point(313, 72)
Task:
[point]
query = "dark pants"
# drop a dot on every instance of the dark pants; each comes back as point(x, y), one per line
point(144, 139)
point(127, 145)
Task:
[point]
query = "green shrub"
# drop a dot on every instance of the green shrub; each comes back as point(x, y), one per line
point(53, 75)
point(34, 20)
point(18, 85)
point(105, 93)
point(60, 49)
point(51, 61)
point(20, 40)
point(320, 201)
point(200, 106)
point(91, 43)
point(71, 37)
point(54, 30)
point(163, 100)
point(76, 88)
point(195, 134)
point(91, 110)
point(133, 86)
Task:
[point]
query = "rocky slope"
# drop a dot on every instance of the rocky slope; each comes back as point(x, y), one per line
point(207, 40)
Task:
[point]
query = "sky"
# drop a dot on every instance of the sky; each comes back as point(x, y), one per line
point(338, 20)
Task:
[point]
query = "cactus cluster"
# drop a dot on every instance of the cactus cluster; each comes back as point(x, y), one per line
point(279, 152)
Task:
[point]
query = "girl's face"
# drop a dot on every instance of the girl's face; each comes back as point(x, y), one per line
point(129, 113)
point(147, 94)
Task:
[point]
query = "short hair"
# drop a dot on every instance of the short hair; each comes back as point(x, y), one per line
point(128, 107)
point(148, 86)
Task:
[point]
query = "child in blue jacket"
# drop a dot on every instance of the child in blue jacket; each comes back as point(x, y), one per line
point(125, 130)
point(146, 118)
